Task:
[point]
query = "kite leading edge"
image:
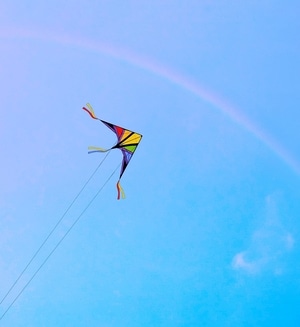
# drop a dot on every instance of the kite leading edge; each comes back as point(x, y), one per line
point(127, 143)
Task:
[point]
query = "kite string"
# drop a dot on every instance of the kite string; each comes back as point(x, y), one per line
point(53, 229)
point(59, 242)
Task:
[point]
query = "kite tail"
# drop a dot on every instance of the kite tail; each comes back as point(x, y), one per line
point(121, 192)
point(97, 149)
point(90, 111)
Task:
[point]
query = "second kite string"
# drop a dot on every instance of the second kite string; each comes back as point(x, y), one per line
point(53, 229)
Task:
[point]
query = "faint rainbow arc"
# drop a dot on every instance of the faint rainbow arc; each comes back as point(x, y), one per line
point(170, 75)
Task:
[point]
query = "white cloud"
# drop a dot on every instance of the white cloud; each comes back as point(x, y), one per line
point(289, 240)
point(268, 246)
point(240, 262)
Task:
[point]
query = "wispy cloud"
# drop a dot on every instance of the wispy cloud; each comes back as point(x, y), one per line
point(268, 245)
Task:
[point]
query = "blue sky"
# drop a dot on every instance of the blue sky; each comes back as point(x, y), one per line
point(208, 234)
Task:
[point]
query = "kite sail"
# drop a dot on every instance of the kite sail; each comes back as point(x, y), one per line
point(127, 143)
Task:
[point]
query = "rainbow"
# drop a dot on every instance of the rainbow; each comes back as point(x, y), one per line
point(169, 74)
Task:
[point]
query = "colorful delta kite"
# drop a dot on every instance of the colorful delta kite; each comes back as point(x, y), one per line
point(127, 143)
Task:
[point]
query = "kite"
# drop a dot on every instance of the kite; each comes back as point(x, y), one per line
point(127, 143)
